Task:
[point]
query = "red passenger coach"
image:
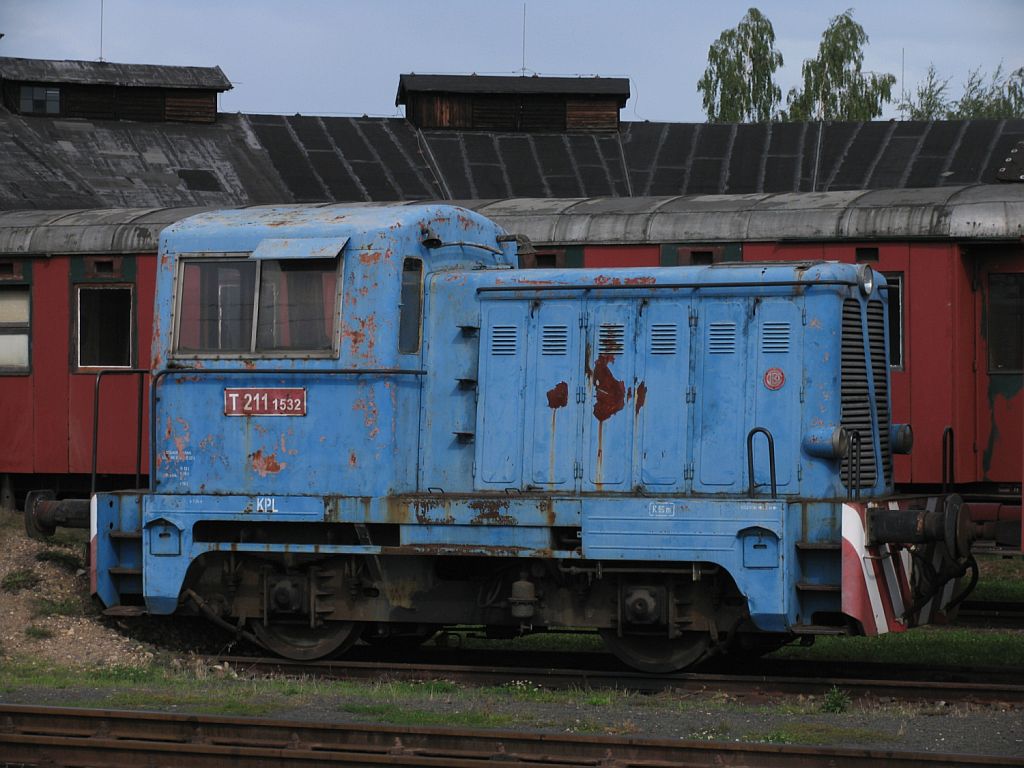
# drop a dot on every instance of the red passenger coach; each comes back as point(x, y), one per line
point(76, 298)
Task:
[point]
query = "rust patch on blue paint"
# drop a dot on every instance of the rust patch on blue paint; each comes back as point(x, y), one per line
point(610, 393)
point(265, 464)
point(558, 395)
point(641, 396)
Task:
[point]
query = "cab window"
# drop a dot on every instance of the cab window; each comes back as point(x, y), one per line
point(218, 310)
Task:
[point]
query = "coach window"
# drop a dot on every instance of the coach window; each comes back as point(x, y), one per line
point(895, 282)
point(1005, 326)
point(104, 326)
point(410, 313)
point(14, 328)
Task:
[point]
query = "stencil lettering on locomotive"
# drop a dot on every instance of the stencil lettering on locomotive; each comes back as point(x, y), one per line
point(266, 504)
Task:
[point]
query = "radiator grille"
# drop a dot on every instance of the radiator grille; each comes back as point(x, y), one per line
point(554, 340)
point(504, 340)
point(856, 398)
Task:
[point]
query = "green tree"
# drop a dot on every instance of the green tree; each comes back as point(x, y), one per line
point(835, 87)
point(739, 82)
point(1002, 97)
point(930, 101)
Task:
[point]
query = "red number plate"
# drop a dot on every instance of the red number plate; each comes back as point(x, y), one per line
point(259, 401)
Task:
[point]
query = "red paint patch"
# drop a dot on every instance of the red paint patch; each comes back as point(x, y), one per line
point(611, 393)
point(558, 396)
point(641, 395)
point(265, 465)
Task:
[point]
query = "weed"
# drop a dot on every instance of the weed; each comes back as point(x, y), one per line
point(836, 701)
point(819, 733)
point(69, 561)
point(38, 633)
point(399, 715)
point(17, 580)
point(602, 699)
point(711, 733)
point(45, 606)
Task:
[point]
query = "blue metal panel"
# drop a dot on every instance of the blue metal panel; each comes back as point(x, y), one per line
point(611, 387)
point(661, 402)
point(552, 402)
point(299, 248)
point(778, 382)
point(502, 382)
point(346, 429)
point(720, 436)
point(700, 531)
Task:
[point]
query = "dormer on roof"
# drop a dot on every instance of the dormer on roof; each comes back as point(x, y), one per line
point(103, 90)
point(531, 104)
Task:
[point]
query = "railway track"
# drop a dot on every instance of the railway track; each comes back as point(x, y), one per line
point(48, 736)
point(750, 685)
point(990, 613)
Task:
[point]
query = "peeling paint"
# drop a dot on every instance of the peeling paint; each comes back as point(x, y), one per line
point(610, 393)
point(265, 464)
point(641, 396)
point(558, 395)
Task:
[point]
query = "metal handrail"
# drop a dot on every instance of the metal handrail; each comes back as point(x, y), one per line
point(96, 422)
point(771, 459)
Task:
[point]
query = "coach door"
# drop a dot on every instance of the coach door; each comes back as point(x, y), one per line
point(1000, 364)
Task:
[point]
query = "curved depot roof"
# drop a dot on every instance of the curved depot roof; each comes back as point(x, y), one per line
point(974, 212)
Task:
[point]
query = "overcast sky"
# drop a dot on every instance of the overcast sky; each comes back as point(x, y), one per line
point(344, 57)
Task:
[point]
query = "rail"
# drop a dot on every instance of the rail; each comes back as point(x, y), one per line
point(66, 736)
point(141, 372)
point(672, 286)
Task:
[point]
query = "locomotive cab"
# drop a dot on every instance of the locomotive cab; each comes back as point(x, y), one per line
point(367, 423)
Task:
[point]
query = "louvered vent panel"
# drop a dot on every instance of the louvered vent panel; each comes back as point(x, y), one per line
point(879, 369)
point(504, 340)
point(722, 338)
point(611, 339)
point(856, 398)
point(554, 340)
point(664, 338)
point(775, 338)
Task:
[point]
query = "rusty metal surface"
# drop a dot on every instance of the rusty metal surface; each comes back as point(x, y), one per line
point(109, 737)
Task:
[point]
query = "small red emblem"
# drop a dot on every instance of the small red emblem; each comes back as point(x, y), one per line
point(774, 378)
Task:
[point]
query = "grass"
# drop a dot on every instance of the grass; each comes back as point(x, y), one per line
point(1002, 579)
point(818, 733)
point(46, 606)
point(928, 646)
point(38, 633)
point(399, 714)
point(836, 701)
point(19, 579)
point(64, 558)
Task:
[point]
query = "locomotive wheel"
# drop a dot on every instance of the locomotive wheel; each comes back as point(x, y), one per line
point(658, 654)
point(302, 643)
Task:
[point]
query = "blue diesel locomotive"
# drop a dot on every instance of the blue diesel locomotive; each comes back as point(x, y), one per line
point(367, 422)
